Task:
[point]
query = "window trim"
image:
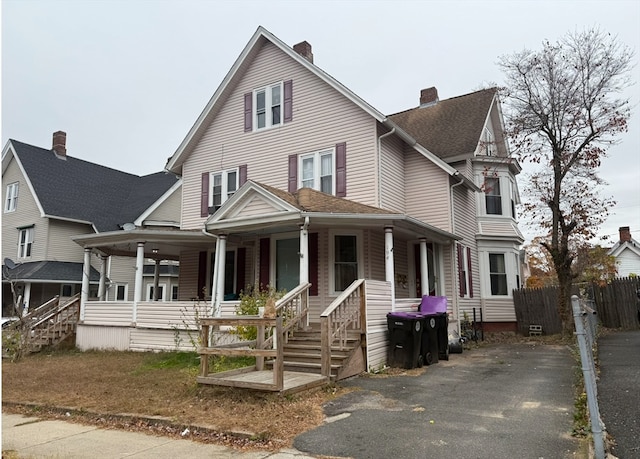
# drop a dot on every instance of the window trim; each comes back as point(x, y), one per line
point(224, 196)
point(162, 286)
point(495, 197)
point(317, 169)
point(489, 142)
point(126, 291)
point(268, 107)
point(25, 251)
point(11, 200)
point(332, 261)
point(505, 274)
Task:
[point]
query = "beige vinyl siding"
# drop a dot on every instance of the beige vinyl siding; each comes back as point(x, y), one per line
point(378, 295)
point(26, 213)
point(60, 247)
point(498, 310)
point(169, 210)
point(105, 313)
point(321, 119)
point(376, 268)
point(498, 226)
point(256, 207)
point(392, 192)
point(122, 270)
point(188, 278)
point(427, 191)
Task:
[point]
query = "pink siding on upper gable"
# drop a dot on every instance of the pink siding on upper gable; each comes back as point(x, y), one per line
point(322, 118)
point(392, 192)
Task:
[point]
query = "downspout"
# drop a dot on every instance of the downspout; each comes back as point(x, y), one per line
point(453, 251)
point(392, 131)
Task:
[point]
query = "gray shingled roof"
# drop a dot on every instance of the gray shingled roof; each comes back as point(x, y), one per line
point(51, 271)
point(450, 127)
point(79, 190)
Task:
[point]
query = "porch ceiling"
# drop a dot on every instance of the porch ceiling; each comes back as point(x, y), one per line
point(161, 244)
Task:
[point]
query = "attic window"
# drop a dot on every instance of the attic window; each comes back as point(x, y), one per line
point(269, 106)
point(488, 143)
point(11, 202)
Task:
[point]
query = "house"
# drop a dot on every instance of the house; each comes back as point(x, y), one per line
point(289, 179)
point(627, 253)
point(50, 196)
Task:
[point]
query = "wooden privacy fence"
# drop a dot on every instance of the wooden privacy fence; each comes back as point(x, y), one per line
point(616, 304)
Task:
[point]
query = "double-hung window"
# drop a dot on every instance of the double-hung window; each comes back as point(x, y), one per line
point(223, 185)
point(25, 241)
point(489, 143)
point(268, 106)
point(498, 274)
point(318, 171)
point(345, 260)
point(12, 197)
point(493, 198)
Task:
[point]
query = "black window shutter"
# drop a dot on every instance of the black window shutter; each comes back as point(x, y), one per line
point(265, 248)
point(242, 175)
point(341, 170)
point(313, 264)
point(240, 269)
point(204, 195)
point(248, 112)
point(469, 272)
point(288, 101)
point(461, 280)
point(202, 274)
point(293, 173)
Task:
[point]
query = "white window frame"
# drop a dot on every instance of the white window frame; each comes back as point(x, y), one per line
point(269, 104)
point(465, 271)
point(226, 192)
point(332, 260)
point(317, 156)
point(115, 292)
point(487, 195)
point(11, 202)
point(25, 248)
point(506, 273)
point(489, 142)
point(174, 293)
point(162, 286)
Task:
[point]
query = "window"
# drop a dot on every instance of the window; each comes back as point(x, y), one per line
point(12, 197)
point(229, 272)
point(268, 104)
point(345, 261)
point(67, 290)
point(488, 142)
point(492, 196)
point(121, 292)
point(25, 241)
point(512, 187)
point(465, 275)
point(497, 274)
point(223, 185)
point(160, 292)
point(174, 293)
point(318, 171)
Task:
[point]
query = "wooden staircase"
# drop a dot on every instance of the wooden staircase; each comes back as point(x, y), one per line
point(303, 353)
point(48, 324)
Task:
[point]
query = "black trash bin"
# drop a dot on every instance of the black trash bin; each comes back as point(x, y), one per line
point(430, 350)
point(442, 330)
point(434, 308)
point(405, 339)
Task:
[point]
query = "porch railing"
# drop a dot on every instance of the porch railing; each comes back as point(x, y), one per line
point(53, 323)
point(294, 310)
point(346, 313)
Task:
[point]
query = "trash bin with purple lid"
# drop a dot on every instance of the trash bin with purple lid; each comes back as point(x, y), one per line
point(435, 307)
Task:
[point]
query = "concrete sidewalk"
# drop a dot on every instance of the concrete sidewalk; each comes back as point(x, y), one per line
point(29, 437)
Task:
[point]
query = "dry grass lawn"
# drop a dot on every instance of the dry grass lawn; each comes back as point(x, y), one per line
point(97, 387)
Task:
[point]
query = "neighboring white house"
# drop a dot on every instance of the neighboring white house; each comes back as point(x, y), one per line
point(627, 254)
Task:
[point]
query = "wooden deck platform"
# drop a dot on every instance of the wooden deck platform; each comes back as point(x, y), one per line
point(250, 378)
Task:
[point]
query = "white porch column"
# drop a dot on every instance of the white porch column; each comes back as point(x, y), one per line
point(138, 286)
point(424, 267)
point(388, 263)
point(221, 257)
point(102, 287)
point(214, 278)
point(304, 254)
point(86, 271)
point(156, 280)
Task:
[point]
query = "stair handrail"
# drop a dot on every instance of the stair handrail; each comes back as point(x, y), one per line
point(346, 312)
point(54, 312)
point(293, 307)
point(55, 320)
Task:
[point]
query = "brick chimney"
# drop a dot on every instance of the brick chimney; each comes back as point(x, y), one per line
point(304, 49)
point(625, 234)
point(60, 144)
point(428, 97)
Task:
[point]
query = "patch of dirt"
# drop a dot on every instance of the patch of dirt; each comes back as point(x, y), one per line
point(121, 390)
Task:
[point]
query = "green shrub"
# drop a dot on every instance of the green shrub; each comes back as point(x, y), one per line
point(252, 298)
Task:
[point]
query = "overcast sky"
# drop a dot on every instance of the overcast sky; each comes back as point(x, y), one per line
point(127, 79)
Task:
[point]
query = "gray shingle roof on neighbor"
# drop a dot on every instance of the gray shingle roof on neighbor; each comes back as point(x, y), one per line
point(51, 271)
point(451, 127)
point(80, 190)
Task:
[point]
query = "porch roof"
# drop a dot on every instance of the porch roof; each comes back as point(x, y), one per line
point(49, 272)
point(290, 210)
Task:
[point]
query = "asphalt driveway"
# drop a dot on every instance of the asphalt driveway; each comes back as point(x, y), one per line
point(499, 401)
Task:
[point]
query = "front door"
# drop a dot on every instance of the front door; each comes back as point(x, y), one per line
point(287, 264)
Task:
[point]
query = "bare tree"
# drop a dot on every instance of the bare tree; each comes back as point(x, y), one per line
point(564, 107)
